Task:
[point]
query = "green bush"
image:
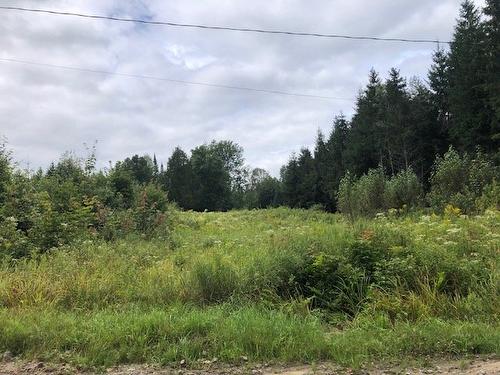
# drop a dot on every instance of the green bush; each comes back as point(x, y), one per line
point(150, 209)
point(346, 196)
point(370, 192)
point(460, 180)
point(374, 192)
point(14, 243)
point(403, 190)
point(5, 172)
point(332, 283)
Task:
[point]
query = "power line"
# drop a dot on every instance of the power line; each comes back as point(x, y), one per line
point(227, 28)
point(164, 79)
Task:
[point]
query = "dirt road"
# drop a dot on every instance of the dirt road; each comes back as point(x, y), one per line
point(478, 366)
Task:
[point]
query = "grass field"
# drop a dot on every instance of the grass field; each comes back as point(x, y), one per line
point(279, 284)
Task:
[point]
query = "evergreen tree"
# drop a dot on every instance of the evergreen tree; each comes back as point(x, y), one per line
point(290, 181)
point(321, 159)
point(439, 84)
point(492, 31)
point(178, 179)
point(155, 167)
point(468, 96)
point(307, 176)
point(394, 126)
point(428, 137)
point(335, 166)
point(364, 150)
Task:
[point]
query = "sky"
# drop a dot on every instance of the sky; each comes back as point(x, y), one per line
point(46, 111)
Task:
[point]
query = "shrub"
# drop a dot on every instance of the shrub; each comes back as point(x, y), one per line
point(370, 192)
point(402, 190)
point(52, 228)
point(13, 242)
point(346, 196)
point(5, 172)
point(490, 198)
point(374, 192)
point(460, 180)
point(332, 283)
point(150, 209)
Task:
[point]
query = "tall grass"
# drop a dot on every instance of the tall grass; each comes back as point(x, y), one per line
point(269, 284)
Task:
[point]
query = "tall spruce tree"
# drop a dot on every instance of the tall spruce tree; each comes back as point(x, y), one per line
point(335, 166)
point(394, 125)
point(290, 181)
point(492, 31)
point(428, 137)
point(321, 161)
point(364, 150)
point(178, 179)
point(307, 179)
point(471, 112)
point(439, 84)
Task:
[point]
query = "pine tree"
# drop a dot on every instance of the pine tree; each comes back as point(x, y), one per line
point(471, 113)
point(364, 149)
point(155, 167)
point(336, 145)
point(428, 137)
point(439, 84)
point(394, 125)
point(290, 181)
point(178, 179)
point(321, 159)
point(306, 170)
point(492, 30)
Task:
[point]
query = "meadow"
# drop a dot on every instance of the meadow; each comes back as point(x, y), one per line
point(282, 285)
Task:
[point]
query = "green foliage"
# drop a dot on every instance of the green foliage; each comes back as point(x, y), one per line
point(263, 283)
point(470, 106)
point(404, 189)
point(374, 192)
point(216, 280)
point(460, 180)
point(333, 283)
point(149, 211)
point(299, 178)
point(14, 243)
point(5, 172)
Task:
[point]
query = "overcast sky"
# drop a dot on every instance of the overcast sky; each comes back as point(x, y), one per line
point(46, 111)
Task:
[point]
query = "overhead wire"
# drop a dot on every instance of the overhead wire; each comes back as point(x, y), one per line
point(171, 80)
point(226, 28)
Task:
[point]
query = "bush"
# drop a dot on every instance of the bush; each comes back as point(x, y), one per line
point(374, 192)
point(460, 180)
point(490, 198)
point(5, 172)
point(370, 192)
point(346, 196)
point(402, 190)
point(14, 243)
point(332, 283)
point(150, 209)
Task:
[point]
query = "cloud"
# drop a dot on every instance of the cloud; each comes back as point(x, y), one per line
point(46, 111)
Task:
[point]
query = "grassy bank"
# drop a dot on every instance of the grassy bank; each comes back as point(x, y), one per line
point(278, 284)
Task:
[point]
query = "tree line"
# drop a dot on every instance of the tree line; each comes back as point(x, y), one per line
point(398, 125)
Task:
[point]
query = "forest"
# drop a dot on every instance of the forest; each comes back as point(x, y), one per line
point(380, 243)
